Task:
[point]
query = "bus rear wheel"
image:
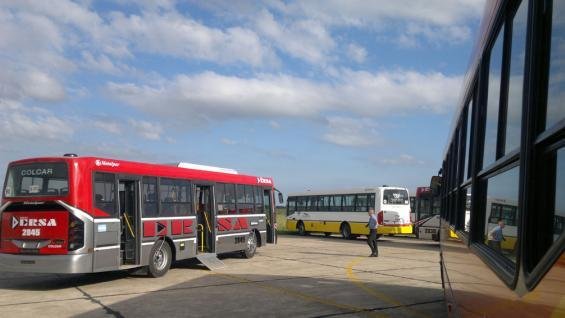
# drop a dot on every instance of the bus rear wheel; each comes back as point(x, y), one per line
point(160, 259)
point(251, 245)
point(301, 229)
point(345, 231)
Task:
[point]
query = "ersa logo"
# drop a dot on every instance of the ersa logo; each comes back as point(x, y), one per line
point(262, 180)
point(23, 221)
point(104, 163)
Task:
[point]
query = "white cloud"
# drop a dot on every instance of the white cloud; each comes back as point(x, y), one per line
point(103, 64)
point(274, 124)
point(210, 96)
point(229, 142)
point(356, 53)
point(41, 86)
point(404, 160)
point(304, 39)
point(351, 132)
point(145, 129)
point(31, 125)
point(449, 20)
point(175, 35)
point(108, 126)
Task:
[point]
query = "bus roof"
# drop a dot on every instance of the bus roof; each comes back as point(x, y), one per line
point(346, 191)
point(178, 170)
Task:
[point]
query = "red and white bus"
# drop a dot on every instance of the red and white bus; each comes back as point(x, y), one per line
point(84, 214)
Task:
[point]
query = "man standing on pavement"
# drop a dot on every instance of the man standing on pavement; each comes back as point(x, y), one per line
point(372, 237)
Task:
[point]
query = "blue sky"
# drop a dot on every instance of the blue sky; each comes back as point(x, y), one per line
point(316, 94)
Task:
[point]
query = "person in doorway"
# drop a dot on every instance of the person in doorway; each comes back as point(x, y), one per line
point(495, 236)
point(372, 237)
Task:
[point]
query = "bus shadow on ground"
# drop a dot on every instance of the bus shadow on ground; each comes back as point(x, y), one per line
point(49, 282)
point(249, 295)
point(393, 241)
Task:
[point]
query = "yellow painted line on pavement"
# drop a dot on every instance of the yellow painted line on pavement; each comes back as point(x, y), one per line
point(303, 296)
point(377, 294)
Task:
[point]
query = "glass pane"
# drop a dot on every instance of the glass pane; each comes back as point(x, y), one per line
point(335, 203)
point(395, 196)
point(516, 79)
point(104, 192)
point(230, 193)
point(220, 192)
point(559, 214)
point(249, 194)
point(495, 68)
point(468, 140)
point(555, 105)
point(502, 213)
point(37, 179)
point(291, 205)
point(240, 193)
point(467, 224)
point(149, 196)
point(349, 202)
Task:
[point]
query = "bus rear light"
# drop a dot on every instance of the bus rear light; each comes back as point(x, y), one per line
point(76, 233)
point(380, 217)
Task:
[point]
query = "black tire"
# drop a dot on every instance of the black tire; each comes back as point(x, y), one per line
point(345, 231)
point(160, 259)
point(327, 234)
point(250, 245)
point(379, 236)
point(301, 229)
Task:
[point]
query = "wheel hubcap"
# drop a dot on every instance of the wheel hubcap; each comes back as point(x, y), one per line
point(160, 259)
point(251, 244)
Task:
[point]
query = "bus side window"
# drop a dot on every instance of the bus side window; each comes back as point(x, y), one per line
point(104, 192)
point(149, 196)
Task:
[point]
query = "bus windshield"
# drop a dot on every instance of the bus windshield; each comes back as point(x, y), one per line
point(37, 179)
point(395, 196)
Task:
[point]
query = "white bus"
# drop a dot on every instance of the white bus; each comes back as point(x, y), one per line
point(345, 212)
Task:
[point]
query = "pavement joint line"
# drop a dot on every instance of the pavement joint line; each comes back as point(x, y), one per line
point(360, 270)
point(107, 309)
point(379, 295)
point(168, 290)
point(384, 308)
point(304, 296)
point(44, 301)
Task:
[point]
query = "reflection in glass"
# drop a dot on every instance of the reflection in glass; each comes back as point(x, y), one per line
point(515, 85)
point(467, 224)
point(502, 213)
point(559, 214)
point(495, 68)
point(555, 94)
point(468, 142)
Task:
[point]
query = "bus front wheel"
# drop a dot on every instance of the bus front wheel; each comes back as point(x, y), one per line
point(251, 245)
point(160, 259)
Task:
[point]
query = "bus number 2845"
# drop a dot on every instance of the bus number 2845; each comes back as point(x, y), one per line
point(31, 232)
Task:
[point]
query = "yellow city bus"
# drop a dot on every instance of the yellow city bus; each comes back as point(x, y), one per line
point(345, 212)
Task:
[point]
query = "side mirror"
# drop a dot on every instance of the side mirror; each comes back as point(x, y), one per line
point(435, 185)
point(281, 198)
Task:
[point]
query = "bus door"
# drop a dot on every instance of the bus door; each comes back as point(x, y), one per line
point(270, 215)
point(129, 221)
point(206, 228)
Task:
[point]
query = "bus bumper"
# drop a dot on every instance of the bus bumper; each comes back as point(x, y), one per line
point(395, 229)
point(57, 264)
